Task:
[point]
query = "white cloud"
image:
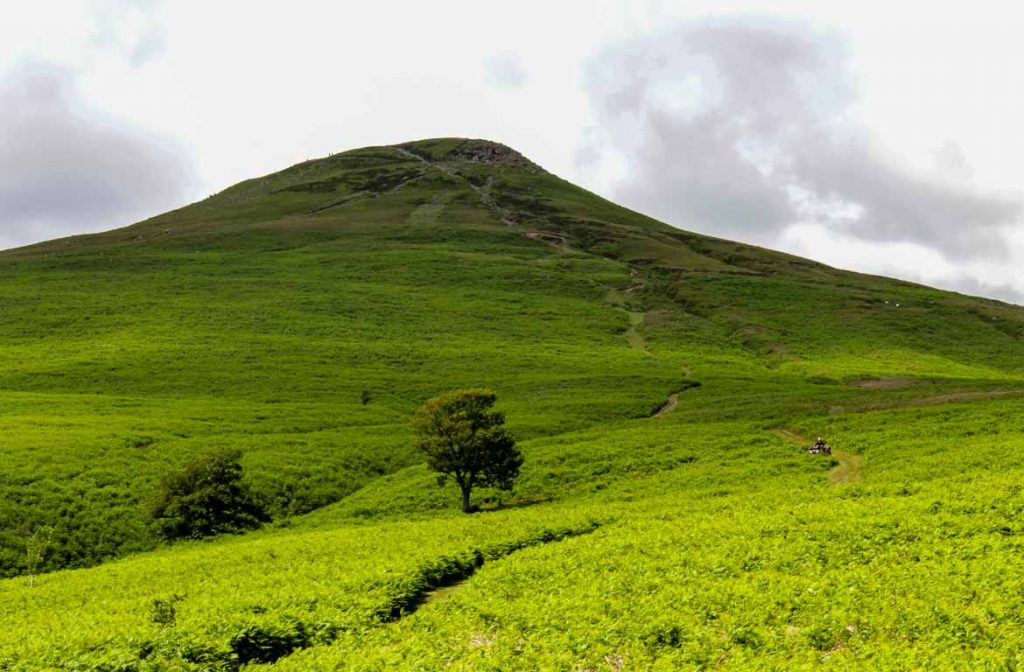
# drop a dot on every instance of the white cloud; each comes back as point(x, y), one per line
point(505, 71)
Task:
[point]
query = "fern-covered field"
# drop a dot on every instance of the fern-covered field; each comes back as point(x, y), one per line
point(694, 549)
point(663, 387)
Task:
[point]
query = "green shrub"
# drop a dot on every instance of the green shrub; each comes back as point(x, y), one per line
point(266, 643)
point(205, 498)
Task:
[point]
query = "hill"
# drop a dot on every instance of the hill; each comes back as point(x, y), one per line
point(660, 384)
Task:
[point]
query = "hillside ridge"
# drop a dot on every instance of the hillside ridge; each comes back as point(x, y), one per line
point(659, 383)
point(472, 162)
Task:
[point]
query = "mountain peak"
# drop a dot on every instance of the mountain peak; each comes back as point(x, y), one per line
point(473, 150)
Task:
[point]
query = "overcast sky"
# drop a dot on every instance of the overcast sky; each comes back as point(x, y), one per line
point(881, 137)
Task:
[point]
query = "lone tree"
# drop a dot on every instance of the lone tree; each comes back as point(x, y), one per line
point(207, 497)
point(466, 440)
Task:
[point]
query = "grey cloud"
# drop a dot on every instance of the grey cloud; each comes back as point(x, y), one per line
point(67, 169)
point(741, 128)
point(974, 287)
point(899, 205)
point(698, 181)
point(951, 162)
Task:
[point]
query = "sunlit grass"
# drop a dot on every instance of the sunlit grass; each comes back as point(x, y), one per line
point(264, 317)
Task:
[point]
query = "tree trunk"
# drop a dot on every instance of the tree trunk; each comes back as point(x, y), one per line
point(466, 489)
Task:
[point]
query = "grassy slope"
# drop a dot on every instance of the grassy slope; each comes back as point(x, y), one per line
point(257, 317)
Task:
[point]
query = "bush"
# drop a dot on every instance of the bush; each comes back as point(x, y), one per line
point(266, 643)
point(205, 498)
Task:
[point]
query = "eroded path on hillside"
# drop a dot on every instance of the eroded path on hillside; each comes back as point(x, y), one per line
point(436, 586)
point(483, 192)
point(849, 469)
point(936, 400)
point(850, 466)
point(673, 401)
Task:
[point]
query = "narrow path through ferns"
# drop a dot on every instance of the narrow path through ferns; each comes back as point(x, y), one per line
point(448, 571)
point(279, 635)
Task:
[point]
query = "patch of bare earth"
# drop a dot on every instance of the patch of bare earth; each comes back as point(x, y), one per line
point(552, 239)
point(895, 383)
point(673, 401)
point(848, 470)
point(950, 398)
point(968, 396)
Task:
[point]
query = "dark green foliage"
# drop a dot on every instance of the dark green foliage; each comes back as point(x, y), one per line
point(446, 571)
point(163, 612)
point(467, 441)
point(267, 643)
point(437, 574)
point(205, 498)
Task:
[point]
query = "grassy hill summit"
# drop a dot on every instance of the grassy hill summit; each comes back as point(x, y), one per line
point(662, 385)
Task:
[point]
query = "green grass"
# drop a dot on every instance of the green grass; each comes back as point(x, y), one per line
point(699, 539)
point(717, 542)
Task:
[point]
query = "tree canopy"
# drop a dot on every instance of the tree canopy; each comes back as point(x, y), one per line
point(466, 440)
point(207, 497)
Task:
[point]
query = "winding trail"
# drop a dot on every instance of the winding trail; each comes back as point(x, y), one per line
point(634, 337)
point(851, 465)
point(963, 396)
point(849, 469)
point(673, 401)
point(435, 589)
point(482, 192)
